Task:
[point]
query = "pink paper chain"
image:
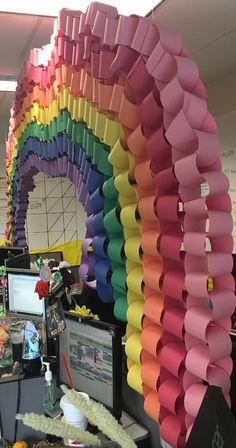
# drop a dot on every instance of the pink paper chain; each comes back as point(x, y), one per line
point(181, 141)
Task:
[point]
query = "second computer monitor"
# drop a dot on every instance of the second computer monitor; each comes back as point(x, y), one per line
point(20, 296)
point(93, 352)
point(21, 261)
point(9, 252)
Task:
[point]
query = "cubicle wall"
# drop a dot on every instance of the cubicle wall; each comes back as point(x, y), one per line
point(29, 393)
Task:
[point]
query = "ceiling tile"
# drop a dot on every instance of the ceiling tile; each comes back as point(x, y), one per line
point(211, 16)
point(21, 32)
point(195, 41)
point(15, 33)
point(6, 99)
point(217, 59)
point(233, 32)
point(4, 126)
point(42, 32)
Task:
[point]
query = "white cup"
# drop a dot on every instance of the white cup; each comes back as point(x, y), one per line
point(73, 416)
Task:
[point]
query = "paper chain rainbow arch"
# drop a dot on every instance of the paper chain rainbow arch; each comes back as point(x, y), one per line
point(116, 104)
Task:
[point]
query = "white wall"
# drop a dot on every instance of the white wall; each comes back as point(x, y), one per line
point(222, 105)
point(54, 216)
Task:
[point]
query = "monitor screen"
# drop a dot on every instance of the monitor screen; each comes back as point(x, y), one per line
point(21, 261)
point(93, 352)
point(20, 296)
point(7, 252)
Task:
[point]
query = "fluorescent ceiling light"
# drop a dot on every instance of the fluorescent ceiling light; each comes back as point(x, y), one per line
point(51, 8)
point(7, 86)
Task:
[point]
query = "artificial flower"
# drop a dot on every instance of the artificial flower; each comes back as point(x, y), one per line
point(42, 289)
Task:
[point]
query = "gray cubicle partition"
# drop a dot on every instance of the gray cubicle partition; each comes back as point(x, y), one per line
point(29, 393)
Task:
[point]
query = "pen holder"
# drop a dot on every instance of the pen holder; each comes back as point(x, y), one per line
point(73, 416)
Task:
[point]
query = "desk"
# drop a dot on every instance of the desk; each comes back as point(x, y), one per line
point(31, 400)
point(137, 432)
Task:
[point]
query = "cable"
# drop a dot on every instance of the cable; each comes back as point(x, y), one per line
point(1, 429)
point(17, 403)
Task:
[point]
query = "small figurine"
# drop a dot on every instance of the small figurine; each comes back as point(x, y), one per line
point(3, 339)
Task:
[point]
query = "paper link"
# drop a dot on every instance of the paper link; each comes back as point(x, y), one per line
point(160, 144)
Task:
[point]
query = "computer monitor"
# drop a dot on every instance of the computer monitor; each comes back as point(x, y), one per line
point(7, 252)
point(21, 261)
point(93, 352)
point(47, 255)
point(20, 297)
point(75, 272)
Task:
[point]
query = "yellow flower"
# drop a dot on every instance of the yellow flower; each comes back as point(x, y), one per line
point(83, 311)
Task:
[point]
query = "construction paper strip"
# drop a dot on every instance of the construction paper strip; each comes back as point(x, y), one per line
point(172, 356)
point(121, 307)
point(169, 392)
point(150, 373)
point(135, 314)
point(133, 348)
point(150, 338)
point(153, 308)
point(99, 245)
point(116, 250)
point(134, 378)
point(155, 122)
point(152, 405)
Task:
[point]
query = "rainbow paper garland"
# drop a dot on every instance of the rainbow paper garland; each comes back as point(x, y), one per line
point(115, 104)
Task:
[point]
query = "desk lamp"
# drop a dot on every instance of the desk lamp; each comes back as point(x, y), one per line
point(31, 361)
